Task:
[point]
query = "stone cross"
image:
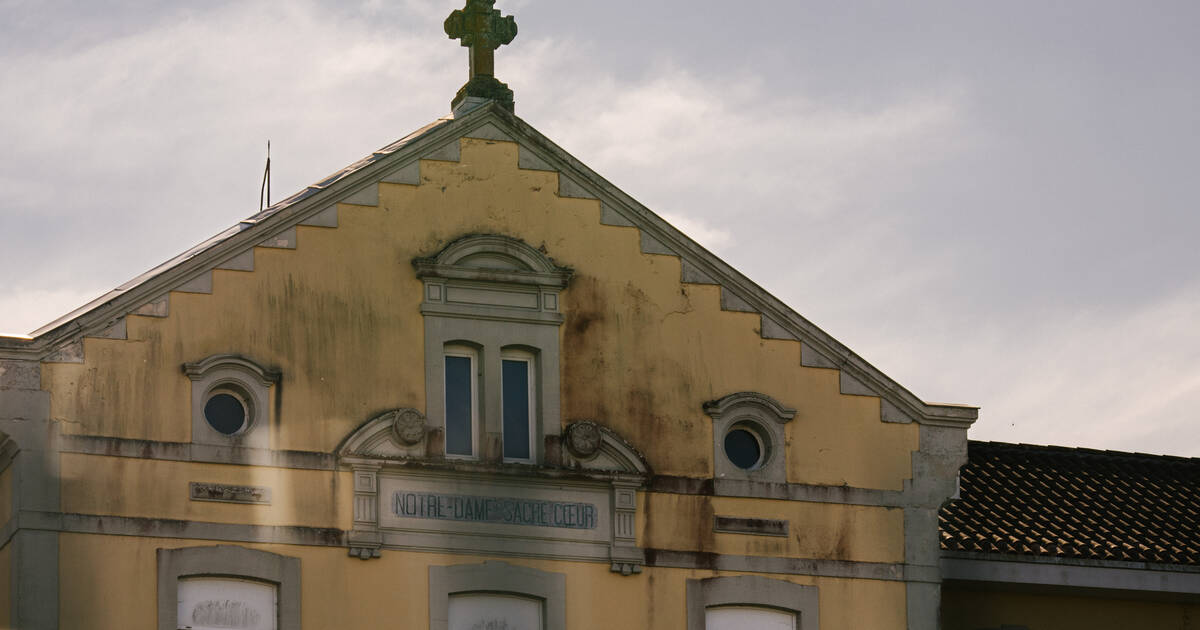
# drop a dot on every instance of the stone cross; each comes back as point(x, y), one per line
point(483, 30)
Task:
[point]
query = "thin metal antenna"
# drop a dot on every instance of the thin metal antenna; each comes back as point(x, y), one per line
point(266, 183)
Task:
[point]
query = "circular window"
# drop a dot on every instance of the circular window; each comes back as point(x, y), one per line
point(226, 412)
point(745, 447)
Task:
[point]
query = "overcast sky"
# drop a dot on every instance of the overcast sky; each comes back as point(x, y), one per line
point(994, 203)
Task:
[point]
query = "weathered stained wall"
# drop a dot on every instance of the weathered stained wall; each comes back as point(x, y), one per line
point(339, 317)
point(125, 486)
point(822, 531)
point(964, 609)
point(109, 582)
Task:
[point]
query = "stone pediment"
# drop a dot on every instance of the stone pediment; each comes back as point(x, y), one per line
point(408, 496)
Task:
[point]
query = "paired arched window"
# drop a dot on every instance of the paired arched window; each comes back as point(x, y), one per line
point(491, 314)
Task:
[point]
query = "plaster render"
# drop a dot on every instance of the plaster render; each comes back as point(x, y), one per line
point(803, 601)
point(94, 599)
point(835, 440)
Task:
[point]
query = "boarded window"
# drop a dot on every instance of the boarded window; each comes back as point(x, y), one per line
point(743, 617)
point(223, 603)
point(492, 611)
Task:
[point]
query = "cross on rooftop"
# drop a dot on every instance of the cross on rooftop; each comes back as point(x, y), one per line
point(483, 30)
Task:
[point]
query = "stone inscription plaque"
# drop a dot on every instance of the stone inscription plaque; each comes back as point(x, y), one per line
point(502, 510)
point(200, 491)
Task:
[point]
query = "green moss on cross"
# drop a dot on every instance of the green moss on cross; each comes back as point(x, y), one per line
point(482, 29)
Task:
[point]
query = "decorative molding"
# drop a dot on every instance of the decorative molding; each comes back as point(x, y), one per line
point(777, 410)
point(232, 561)
point(591, 446)
point(497, 577)
point(243, 378)
point(761, 416)
point(199, 369)
point(752, 590)
point(385, 471)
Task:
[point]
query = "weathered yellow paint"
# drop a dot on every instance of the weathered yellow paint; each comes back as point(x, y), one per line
point(6, 495)
point(123, 486)
point(816, 530)
point(339, 317)
point(964, 609)
point(110, 583)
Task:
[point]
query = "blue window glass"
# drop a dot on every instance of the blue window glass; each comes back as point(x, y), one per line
point(459, 401)
point(516, 409)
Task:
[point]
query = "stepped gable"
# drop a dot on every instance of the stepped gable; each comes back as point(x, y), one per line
point(317, 205)
point(1075, 503)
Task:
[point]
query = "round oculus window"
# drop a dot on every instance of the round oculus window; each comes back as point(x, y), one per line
point(744, 447)
point(225, 413)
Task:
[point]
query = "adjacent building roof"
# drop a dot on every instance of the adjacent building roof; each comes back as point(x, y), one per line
point(1075, 503)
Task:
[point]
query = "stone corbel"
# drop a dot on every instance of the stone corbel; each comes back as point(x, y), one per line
point(364, 539)
point(591, 446)
point(627, 557)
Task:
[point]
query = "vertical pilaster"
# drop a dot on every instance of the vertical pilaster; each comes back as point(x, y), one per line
point(365, 539)
point(25, 419)
point(935, 481)
point(627, 558)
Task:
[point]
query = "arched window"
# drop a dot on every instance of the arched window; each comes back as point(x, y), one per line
point(751, 601)
point(493, 301)
point(461, 382)
point(518, 382)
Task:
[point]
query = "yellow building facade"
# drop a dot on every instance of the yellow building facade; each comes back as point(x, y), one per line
point(464, 366)
point(468, 384)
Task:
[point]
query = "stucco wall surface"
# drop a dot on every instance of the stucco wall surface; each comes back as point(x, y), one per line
point(124, 486)
point(815, 530)
point(964, 609)
point(339, 317)
point(110, 582)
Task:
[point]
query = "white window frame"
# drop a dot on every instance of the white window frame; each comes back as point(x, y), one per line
point(232, 561)
point(495, 292)
point(752, 591)
point(463, 351)
point(530, 360)
point(500, 578)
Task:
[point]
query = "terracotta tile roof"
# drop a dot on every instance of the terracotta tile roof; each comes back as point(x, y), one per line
point(1076, 503)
